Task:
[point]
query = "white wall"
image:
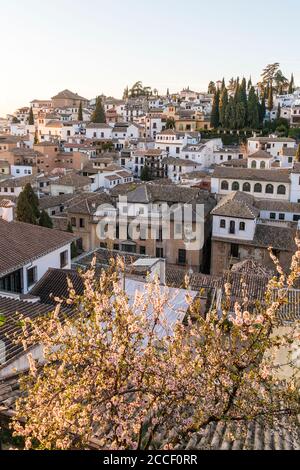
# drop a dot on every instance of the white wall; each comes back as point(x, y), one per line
point(247, 234)
point(51, 260)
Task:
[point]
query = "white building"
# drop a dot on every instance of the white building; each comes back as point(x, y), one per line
point(32, 251)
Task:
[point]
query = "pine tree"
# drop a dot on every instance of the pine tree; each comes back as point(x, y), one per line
point(253, 109)
point(297, 157)
point(270, 98)
point(291, 85)
point(45, 220)
point(31, 117)
point(215, 117)
point(211, 88)
point(80, 115)
point(99, 113)
point(27, 209)
point(223, 106)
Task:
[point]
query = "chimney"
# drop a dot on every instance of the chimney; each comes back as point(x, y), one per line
point(7, 210)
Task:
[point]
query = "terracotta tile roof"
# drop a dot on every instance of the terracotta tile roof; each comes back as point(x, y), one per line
point(98, 125)
point(18, 182)
point(237, 204)
point(265, 140)
point(87, 203)
point(67, 94)
point(26, 243)
point(54, 284)
point(260, 154)
point(279, 175)
point(72, 179)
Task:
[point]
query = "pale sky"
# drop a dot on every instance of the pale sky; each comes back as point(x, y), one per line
point(100, 46)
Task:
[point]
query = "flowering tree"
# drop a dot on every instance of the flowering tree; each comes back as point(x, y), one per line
point(111, 378)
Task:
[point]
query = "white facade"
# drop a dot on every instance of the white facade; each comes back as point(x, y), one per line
point(98, 132)
point(233, 228)
point(218, 188)
point(20, 170)
point(272, 145)
point(295, 187)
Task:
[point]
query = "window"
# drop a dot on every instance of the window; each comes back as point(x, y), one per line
point(234, 250)
point(257, 188)
point(73, 221)
point(246, 187)
point(242, 226)
point(253, 164)
point(290, 159)
point(81, 223)
point(281, 216)
point(272, 215)
point(296, 217)
point(116, 246)
point(159, 252)
point(142, 250)
point(235, 186)
point(222, 223)
point(281, 189)
point(177, 150)
point(181, 256)
point(269, 189)
point(262, 164)
point(224, 185)
point(31, 276)
point(64, 258)
point(232, 226)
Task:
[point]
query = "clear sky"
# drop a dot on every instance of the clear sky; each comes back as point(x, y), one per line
point(95, 46)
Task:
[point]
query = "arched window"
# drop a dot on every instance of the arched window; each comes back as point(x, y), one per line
point(224, 185)
point(242, 225)
point(246, 187)
point(253, 164)
point(257, 188)
point(262, 164)
point(281, 189)
point(235, 186)
point(269, 189)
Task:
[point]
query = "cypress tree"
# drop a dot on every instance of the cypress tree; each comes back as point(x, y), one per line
point(80, 115)
point(223, 84)
point(270, 98)
point(278, 111)
point(253, 109)
point(242, 99)
point(45, 220)
point(230, 118)
point(99, 114)
point(31, 118)
point(291, 85)
point(145, 173)
point(240, 115)
point(249, 85)
point(223, 106)
point(27, 209)
point(215, 117)
point(262, 109)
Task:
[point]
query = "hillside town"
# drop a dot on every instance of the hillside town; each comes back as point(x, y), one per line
point(87, 181)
